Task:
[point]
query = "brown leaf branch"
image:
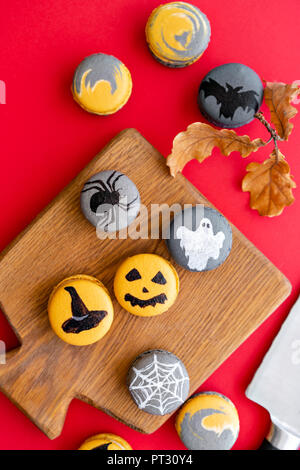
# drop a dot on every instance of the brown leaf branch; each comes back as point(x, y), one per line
point(274, 136)
point(278, 97)
point(199, 140)
point(270, 185)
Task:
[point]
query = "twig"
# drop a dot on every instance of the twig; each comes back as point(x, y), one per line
point(274, 136)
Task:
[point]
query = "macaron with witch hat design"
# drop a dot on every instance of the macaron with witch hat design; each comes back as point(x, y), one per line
point(80, 310)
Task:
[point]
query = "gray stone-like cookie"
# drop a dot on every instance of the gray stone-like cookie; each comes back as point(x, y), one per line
point(200, 238)
point(230, 95)
point(110, 201)
point(208, 421)
point(158, 382)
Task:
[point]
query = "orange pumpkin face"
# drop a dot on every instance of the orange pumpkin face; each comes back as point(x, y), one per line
point(146, 285)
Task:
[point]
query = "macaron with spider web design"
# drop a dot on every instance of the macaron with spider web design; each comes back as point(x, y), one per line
point(158, 382)
point(110, 201)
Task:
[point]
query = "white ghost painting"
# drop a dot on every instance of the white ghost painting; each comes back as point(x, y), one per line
point(200, 244)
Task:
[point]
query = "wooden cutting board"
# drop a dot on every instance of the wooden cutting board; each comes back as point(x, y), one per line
point(214, 312)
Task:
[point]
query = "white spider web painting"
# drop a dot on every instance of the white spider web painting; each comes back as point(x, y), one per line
point(160, 387)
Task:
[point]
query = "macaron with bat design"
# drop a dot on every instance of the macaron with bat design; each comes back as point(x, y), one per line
point(80, 310)
point(146, 284)
point(230, 95)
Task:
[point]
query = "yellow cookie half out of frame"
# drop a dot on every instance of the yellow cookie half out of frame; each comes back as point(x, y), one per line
point(102, 84)
point(105, 442)
point(80, 310)
point(146, 285)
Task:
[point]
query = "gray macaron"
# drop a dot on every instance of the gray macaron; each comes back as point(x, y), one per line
point(200, 238)
point(208, 421)
point(158, 382)
point(230, 95)
point(110, 201)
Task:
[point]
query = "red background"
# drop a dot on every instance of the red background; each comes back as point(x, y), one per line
point(46, 139)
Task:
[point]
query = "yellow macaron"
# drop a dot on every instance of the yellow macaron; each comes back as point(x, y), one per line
point(80, 310)
point(105, 442)
point(146, 284)
point(102, 84)
point(177, 34)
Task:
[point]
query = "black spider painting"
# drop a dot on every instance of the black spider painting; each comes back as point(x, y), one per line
point(230, 98)
point(107, 195)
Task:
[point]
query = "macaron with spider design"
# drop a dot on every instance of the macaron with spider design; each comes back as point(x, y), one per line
point(110, 201)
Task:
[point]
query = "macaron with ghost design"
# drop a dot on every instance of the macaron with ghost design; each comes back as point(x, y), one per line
point(200, 238)
point(105, 441)
point(230, 95)
point(110, 200)
point(208, 421)
point(80, 310)
point(146, 284)
point(158, 382)
point(177, 34)
point(102, 84)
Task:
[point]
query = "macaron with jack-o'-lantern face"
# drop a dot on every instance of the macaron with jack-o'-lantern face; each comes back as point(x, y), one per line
point(146, 284)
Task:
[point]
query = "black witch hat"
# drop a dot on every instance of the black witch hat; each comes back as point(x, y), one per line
point(82, 318)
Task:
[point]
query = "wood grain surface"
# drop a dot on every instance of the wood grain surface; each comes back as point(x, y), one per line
point(214, 312)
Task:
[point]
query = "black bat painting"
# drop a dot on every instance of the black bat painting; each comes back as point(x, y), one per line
point(230, 98)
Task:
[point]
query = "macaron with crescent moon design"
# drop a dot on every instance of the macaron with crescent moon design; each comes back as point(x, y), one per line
point(177, 34)
point(208, 421)
point(105, 442)
point(102, 84)
point(80, 310)
point(146, 284)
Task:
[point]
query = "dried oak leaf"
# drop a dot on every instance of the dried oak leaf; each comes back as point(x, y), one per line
point(199, 140)
point(278, 97)
point(270, 185)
